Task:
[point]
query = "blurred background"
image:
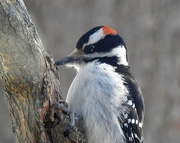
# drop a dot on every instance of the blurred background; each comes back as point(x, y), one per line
point(151, 30)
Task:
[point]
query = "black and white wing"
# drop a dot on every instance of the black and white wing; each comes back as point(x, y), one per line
point(133, 118)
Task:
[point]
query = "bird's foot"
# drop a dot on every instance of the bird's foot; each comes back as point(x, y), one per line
point(56, 110)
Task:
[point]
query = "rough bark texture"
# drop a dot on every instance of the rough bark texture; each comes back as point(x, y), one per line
point(29, 76)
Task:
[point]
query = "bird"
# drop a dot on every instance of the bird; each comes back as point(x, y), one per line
point(104, 92)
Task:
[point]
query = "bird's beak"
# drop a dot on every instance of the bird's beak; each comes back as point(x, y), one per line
point(75, 56)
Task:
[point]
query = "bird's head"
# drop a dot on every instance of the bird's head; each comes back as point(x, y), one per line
point(99, 42)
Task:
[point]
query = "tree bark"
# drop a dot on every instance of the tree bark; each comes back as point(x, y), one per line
point(30, 78)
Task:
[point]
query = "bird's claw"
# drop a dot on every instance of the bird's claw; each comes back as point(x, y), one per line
point(60, 107)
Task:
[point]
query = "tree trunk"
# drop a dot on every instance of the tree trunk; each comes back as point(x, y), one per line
point(30, 78)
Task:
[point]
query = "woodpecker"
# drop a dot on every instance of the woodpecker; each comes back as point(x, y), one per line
point(104, 92)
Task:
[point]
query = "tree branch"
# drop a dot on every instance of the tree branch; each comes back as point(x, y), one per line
point(29, 76)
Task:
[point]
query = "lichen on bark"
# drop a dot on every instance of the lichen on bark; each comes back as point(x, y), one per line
point(29, 76)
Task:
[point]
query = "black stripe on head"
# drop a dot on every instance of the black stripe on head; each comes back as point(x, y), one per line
point(113, 61)
point(84, 39)
point(109, 60)
point(105, 45)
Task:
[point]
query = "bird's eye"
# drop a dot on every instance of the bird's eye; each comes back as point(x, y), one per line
point(89, 49)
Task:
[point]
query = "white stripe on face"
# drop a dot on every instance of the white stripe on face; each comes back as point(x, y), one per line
point(98, 35)
point(119, 51)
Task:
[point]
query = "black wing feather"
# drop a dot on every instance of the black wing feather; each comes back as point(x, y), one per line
point(133, 118)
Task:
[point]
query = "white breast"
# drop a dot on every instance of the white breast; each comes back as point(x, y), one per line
point(96, 93)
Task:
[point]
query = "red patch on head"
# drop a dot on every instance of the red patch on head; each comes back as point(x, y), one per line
point(107, 30)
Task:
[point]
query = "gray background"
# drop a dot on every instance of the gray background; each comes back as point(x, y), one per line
point(151, 30)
